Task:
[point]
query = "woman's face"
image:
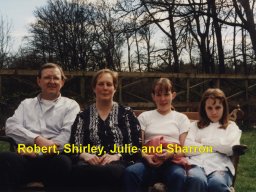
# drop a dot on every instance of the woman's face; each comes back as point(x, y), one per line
point(163, 101)
point(104, 88)
point(214, 109)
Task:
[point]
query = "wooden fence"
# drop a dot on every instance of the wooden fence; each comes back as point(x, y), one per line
point(134, 87)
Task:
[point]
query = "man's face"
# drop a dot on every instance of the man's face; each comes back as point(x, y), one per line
point(50, 83)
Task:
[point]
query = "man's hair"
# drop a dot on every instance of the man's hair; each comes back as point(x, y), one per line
point(48, 66)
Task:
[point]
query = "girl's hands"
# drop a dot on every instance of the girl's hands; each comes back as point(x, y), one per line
point(158, 159)
point(164, 156)
point(153, 160)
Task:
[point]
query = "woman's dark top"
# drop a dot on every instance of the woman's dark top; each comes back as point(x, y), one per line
point(121, 128)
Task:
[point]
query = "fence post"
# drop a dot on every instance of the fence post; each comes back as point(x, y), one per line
point(187, 96)
point(82, 87)
point(0, 86)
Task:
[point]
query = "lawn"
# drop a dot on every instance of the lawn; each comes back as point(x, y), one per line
point(4, 146)
point(246, 178)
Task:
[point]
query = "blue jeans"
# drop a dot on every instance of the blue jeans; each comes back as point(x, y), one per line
point(198, 181)
point(140, 176)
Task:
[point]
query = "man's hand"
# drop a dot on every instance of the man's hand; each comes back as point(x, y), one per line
point(29, 154)
point(41, 141)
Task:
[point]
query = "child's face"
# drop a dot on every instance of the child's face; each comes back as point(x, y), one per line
point(214, 109)
point(163, 101)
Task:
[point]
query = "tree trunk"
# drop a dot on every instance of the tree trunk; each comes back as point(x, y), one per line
point(218, 36)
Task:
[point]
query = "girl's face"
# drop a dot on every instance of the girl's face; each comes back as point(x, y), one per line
point(214, 109)
point(163, 101)
point(104, 88)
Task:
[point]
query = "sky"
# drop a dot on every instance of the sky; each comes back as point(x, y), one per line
point(19, 13)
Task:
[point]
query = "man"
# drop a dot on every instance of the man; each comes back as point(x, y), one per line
point(43, 122)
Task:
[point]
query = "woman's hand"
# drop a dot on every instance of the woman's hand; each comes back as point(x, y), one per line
point(107, 158)
point(92, 159)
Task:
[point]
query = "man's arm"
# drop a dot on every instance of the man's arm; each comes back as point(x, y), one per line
point(68, 121)
point(15, 127)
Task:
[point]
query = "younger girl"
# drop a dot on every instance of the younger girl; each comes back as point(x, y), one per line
point(212, 172)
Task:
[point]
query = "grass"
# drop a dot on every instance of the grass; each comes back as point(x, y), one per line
point(4, 146)
point(246, 178)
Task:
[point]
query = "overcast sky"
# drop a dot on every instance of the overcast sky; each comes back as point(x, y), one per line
point(19, 13)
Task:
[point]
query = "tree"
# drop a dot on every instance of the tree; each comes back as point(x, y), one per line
point(198, 21)
point(156, 8)
point(77, 34)
point(108, 36)
point(5, 40)
point(218, 34)
point(90, 36)
point(63, 33)
point(248, 22)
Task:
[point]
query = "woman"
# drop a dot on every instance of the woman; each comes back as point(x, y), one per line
point(162, 124)
point(100, 129)
point(212, 171)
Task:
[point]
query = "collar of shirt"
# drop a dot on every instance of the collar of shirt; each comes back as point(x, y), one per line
point(41, 100)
